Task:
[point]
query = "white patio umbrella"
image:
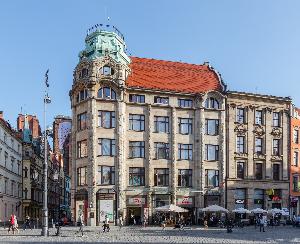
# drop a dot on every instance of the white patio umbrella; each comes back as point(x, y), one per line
point(241, 211)
point(214, 208)
point(258, 211)
point(171, 208)
point(275, 211)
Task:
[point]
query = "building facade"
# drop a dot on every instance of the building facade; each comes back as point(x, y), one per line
point(145, 133)
point(295, 166)
point(10, 172)
point(258, 143)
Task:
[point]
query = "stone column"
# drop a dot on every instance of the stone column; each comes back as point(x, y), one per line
point(121, 179)
point(249, 140)
point(92, 155)
point(285, 144)
point(174, 147)
point(268, 144)
point(149, 168)
point(197, 157)
point(222, 159)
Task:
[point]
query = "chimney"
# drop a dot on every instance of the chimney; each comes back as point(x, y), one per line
point(1, 114)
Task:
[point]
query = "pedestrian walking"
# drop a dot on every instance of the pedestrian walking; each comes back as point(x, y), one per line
point(80, 223)
point(205, 223)
point(16, 226)
point(120, 222)
point(11, 224)
point(27, 223)
point(144, 221)
point(262, 222)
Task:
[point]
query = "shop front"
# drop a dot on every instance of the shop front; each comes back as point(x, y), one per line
point(240, 198)
point(81, 204)
point(105, 205)
point(211, 199)
point(135, 209)
point(258, 198)
point(187, 202)
point(274, 198)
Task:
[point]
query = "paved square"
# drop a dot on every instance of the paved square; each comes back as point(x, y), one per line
point(282, 234)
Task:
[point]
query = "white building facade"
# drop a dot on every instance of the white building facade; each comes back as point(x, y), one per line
point(10, 172)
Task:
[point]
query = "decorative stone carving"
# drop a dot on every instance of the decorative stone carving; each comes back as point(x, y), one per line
point(240, 129)
point(276, 158)
point(241, 155)
point(276, 132)
point(268, 109)
point(259, 156)
point(259, 130)
point(232, 105)
point(252, 107)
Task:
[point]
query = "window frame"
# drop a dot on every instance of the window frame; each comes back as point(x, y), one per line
point(216, 152)
point(188, 122)
point(259, 119)
point(79, 149)
point(140, 174)
point(240, 117)
point(257, 146)
point(165, 121)
point(215, 125)
point(240, 174)
point(259, 175)
point(111, 147)
point(79, 176)
point(185, 149)
point(181, 175)
point(240, 144)
point(112, 175)
point(136, 120)
point(140, 147)
point(276, 121)
point(216, 180)
point(102, 93)
point(165, 176)
point(161, 100)
point(276, 173)
point(82, 121)
point(185, 103)
point(136, 98)
point(162, 146)
point(112, 119)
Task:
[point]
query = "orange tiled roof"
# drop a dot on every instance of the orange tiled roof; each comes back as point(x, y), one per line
point(172, 76)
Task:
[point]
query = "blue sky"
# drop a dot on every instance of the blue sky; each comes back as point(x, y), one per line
point(255, 44)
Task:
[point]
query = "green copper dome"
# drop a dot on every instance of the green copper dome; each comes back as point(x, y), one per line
point(105, 40)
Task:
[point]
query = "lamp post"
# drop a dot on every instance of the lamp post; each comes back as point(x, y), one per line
point(47, 100)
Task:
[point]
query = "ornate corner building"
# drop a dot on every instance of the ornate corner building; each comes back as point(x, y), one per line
point(145, 133)
point(258, 143)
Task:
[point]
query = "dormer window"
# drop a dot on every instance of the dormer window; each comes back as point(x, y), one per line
point(212, 103)
point(107, 93)
point(84, 73)
point(106, 70)
point(82, 95)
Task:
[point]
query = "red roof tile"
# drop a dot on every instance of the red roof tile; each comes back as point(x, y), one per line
point(172, 76)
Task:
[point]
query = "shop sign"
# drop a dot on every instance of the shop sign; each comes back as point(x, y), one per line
point(239, 201)
point(185, 201)
point(258, 201)
point(136, 201)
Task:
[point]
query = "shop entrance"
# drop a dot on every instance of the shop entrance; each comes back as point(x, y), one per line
point(134, 215)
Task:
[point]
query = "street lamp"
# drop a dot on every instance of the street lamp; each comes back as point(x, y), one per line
point(47, 100)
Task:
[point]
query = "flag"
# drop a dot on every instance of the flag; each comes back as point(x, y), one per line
point(46, 78)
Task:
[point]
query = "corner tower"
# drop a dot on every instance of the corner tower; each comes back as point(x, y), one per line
point(97, 96)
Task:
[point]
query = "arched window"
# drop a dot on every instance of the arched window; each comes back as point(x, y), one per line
point(107, 70)
point(107, 93)
point(84, 73)
point(212, 103)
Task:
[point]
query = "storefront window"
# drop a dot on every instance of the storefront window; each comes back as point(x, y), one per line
point(258, 198)
point(240, 198)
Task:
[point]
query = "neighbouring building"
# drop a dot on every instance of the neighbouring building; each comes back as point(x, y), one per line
point(258, 151)
point(33, 161)
point(10, 172)
point(295, 165)
point(61, 152)
point(145, 133)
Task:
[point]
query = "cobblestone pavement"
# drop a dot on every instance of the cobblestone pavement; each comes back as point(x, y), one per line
point(280, 234)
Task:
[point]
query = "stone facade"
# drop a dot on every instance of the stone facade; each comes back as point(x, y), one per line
point(10, 172)
point(258, 142)
point(128, 194)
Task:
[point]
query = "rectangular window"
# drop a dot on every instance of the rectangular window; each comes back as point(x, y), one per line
point(81, 121)
point(135, 98)
point(185, 126)
point(5, 159)
point(161, 100)
point(212, 127)
point(276, 171)
point(82, 149)
point(5, 186)
point(137, 176)
point(185, 103)
point(276, 147)
point(81, 176)
point(276, 119)
point(106, 119)
point(106, 175)
point(240, 115)
point(211, 178)
point(185, 177)
point(296, 136)
point(258, 171)
point(296, 183)
point(211, 152)
point(185, 151)
point(240, 144)
point(258, 145)
point(161, 124)
point(136, 149)
point(161, 150)
point(296, 159)
point(107, 147)
point(161, 177)
point(258, 117)
point(136, 122)
point(240, 170)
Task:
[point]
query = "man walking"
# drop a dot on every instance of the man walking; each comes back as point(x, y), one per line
point(27, 223)
point(262, 222)
point(80, 223)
